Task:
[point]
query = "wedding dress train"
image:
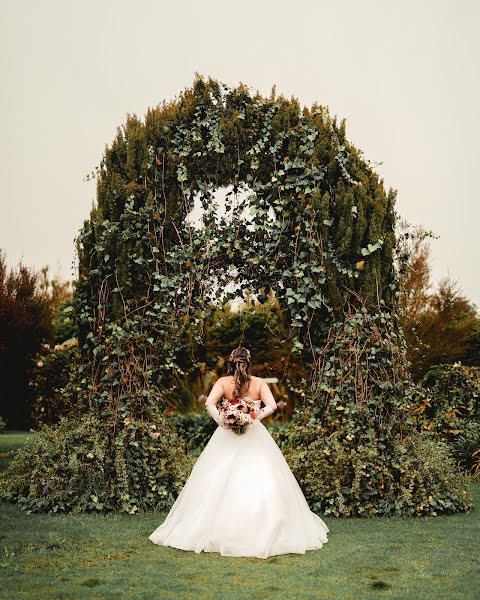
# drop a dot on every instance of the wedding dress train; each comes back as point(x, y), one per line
point(242, 499)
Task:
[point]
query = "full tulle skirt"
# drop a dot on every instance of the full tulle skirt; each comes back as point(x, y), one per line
point(242, 499)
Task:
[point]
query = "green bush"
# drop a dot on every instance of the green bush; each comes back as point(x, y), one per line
point(65, 327)
point(70, 467)
point(448, 401)
point(52, 368)
point(279, 431)
point(353, 447)
point(3, 425)
point(411, 477)
point(429, 481)
point(466, 451)
point(195, 429)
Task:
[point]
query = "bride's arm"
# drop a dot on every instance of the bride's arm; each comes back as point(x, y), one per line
point(267, 398)
point(213, 397)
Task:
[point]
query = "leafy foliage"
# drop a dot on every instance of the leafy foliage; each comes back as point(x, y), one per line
point(196, 429)
point(71, 467)
point(25, 321)
point(65, 327)
point(440, 325)
point(50, 376)
point(466, 451)
point(448, 401)
point(320, 235)
point(262, 329)
point(416, 478)
point(353, 448)
point(279, 431)
point(140, 263)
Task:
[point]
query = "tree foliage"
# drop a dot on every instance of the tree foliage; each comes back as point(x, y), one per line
point(439, 322)
point(25, 322)
point(448, 401)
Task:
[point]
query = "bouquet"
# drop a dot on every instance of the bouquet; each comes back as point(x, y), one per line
point(237, 415)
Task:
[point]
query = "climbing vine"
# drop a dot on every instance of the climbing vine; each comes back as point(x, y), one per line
point(319, 233)
point(329, 242)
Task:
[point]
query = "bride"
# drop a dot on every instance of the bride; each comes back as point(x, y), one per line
point(241, 498)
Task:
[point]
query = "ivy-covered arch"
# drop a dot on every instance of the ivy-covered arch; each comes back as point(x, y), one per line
point(145, 274)
point(329, 245)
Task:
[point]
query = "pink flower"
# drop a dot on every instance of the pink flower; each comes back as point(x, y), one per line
point(42, 409)
point(156, 434)
point(39, 363)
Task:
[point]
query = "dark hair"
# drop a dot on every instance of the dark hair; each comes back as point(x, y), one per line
point(238, 366)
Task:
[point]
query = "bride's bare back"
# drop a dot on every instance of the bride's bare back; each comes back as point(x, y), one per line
point(252, 390)
point(258, 389)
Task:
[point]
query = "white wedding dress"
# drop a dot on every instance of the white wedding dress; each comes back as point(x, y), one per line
point(242, 499)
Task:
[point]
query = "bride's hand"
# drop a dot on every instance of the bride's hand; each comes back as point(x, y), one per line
point(267, 398)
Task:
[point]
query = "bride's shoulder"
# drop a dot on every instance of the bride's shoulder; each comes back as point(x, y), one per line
point(257, 382)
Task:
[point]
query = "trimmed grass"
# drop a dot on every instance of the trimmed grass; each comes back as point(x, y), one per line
point(110, 556)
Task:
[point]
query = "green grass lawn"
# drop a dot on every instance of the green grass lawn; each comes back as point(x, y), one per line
point(110, 556)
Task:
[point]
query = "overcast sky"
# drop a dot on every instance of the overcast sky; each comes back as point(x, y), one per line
point(404, 74)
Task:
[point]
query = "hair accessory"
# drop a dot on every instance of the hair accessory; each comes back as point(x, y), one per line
point(233, 352)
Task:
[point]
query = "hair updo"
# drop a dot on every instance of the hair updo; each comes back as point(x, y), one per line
point(238, 366)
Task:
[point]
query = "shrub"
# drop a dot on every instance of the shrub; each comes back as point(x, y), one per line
point(65, 327)
point(195, 429)
point(70, 467)
point(429, 481)
point(50, 375)
point(353, 447)
point(411, 477)
point(279, 432)
point(466, 451)
point(3, 425)
point(448, 401)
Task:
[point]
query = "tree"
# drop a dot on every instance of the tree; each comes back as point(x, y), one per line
point(25, 322)
point(439, 322)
